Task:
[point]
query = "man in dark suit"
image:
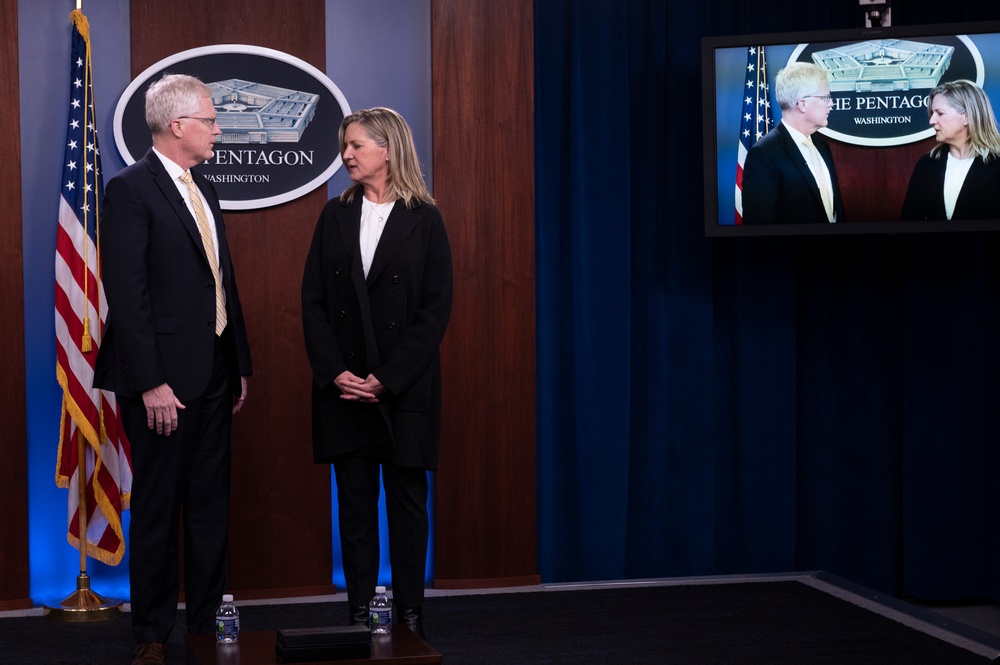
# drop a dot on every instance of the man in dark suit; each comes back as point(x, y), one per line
point(175, 353)
point(789, 175)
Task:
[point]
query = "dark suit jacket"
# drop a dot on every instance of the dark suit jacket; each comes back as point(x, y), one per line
point(160, 288)
point(779, 188)
point(979, 197)
point(390, 325)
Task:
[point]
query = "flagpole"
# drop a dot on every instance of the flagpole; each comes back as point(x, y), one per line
point(83, 604)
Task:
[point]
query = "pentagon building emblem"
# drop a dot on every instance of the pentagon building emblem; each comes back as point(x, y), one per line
point(250, 112)
point(884, 65)
point(279, 117)
point(879, 86)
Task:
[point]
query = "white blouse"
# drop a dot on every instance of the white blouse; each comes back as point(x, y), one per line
point(373, 216)
point(954, 176)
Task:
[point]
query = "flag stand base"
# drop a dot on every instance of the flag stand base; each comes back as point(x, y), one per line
point(84, 605)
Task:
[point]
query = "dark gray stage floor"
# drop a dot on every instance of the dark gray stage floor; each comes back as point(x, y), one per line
point(800, 619)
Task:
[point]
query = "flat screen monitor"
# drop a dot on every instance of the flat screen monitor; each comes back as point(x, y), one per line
point(878, 126)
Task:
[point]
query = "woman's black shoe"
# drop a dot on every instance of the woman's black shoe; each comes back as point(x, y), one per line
point(413, 617)
point(358, 614)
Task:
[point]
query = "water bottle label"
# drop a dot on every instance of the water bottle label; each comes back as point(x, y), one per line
point(227, 627)
point(380, 617)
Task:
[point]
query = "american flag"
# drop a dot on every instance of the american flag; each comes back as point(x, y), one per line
point(755, 118)
point(89, 416)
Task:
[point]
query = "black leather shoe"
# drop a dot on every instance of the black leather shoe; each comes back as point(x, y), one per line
point(357, 614)
point(413, 617)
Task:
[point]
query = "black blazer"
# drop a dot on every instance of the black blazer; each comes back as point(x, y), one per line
point(160, 289)
point(979, 197)
point(390, 325)
point(779, 188)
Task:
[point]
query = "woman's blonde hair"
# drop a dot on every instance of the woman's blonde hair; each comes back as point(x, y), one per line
point(388, 129)
point(968, 98)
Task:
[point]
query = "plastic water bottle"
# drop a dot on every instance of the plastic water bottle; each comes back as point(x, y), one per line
point(380, 613)
point(227, 621)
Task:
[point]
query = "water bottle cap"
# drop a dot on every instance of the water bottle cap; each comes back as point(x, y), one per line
point(227, 597)
point(380, 589)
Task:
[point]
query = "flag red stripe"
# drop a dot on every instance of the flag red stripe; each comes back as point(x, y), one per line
point(66, 249)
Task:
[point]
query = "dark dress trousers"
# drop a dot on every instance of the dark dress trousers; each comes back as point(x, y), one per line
point(979, 197)
point(779, 187)
point(161, 329)
point(389, 324)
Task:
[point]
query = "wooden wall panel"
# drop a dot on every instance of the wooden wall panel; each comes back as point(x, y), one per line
point(280, 527)
point(875, 199)
point(14, 583)
point(485, 495)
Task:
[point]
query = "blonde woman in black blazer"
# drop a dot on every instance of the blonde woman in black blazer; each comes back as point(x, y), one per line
point(960, 177)
point(376, 298)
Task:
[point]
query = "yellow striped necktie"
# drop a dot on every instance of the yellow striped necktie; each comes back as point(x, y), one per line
point(818, 169)
point(209, 244)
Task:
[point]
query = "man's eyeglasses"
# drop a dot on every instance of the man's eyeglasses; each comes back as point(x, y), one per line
point(825, 98)
point(208, 122)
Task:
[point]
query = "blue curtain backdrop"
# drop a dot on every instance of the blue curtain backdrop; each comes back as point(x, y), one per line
point(744, 405)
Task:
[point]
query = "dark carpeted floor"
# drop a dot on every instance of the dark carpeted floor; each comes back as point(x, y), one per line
point(745, 623)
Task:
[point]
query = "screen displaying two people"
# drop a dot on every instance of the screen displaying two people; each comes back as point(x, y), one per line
point(868, 130)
